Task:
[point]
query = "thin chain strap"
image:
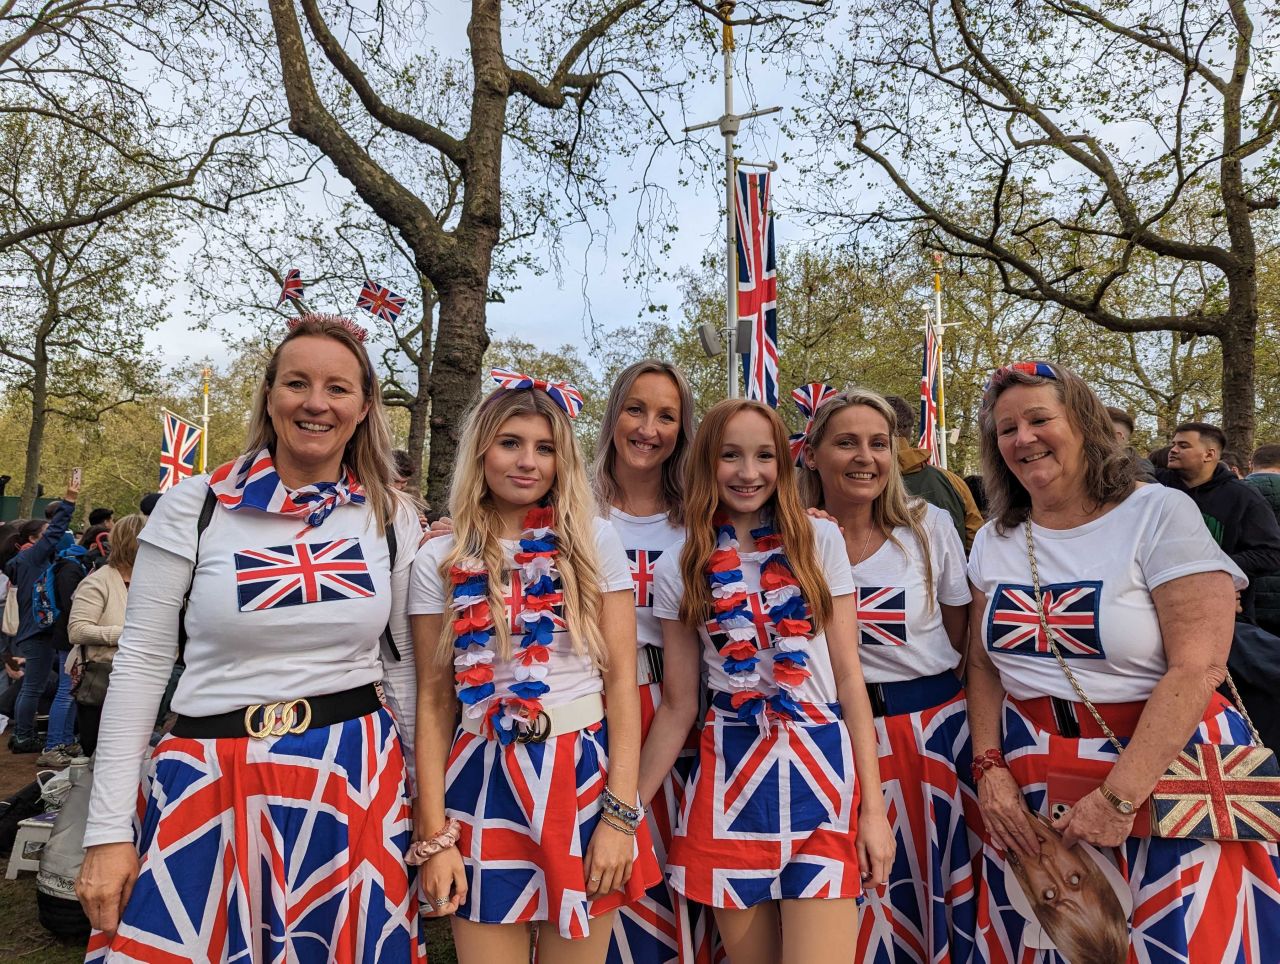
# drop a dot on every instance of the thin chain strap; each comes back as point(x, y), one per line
point(1071, 677)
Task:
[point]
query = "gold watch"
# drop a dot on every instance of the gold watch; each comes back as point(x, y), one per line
point(1122, 805)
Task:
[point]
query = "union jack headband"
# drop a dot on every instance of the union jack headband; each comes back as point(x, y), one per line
point(358, 333)
point(1000, 375)
point(561, 392)
point(808, 398)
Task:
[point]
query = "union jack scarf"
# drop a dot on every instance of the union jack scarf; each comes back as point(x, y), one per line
point(787, 610)
point(251, 482)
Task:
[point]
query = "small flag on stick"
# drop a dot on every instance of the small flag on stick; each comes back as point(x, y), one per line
point(291, 290)
point(178, 449)
point(929, 396)
point(380, 302)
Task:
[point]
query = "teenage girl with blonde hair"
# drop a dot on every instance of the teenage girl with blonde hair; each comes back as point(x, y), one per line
point(527, 811)
point(783, 820)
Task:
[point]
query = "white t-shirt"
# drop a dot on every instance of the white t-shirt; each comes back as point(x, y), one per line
point(1096, 581)
point(246, 643)
point(645, 538)
point(274, 614)
point(569, 675)
point(821, 685)
point(900, 636)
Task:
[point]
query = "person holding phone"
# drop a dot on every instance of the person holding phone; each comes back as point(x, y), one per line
point(37, 546)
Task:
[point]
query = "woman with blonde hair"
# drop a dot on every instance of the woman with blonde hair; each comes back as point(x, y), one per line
point(527, 809)
point(1099, 630)
point(96, 621)
point(907, 565)
point(638, 477)
point(277, 815)
point(783, 820)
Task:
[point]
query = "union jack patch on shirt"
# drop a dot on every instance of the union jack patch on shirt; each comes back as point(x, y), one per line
point(305, 572)
point(642, 562)
point(1070, 608)
point(882, 615)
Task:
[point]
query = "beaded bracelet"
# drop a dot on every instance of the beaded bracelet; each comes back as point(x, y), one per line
point(628, 815)
point(990, 760)
point(420, 851)
point(608, 818)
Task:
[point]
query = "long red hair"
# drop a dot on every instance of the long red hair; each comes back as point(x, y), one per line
point(702, 498)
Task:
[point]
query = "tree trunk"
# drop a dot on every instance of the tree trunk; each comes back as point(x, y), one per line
point(1239, 343)
point(35, 437)
point(461, 340)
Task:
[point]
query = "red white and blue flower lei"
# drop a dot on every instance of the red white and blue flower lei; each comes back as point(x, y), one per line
point(473, 628)
point(787, 610)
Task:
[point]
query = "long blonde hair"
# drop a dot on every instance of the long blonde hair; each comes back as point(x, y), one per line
point(891, 508)
point(603, 481)
point(368, 451)
point(702, 498)
point(477, 526)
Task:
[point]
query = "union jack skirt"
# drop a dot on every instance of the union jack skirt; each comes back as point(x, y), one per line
point(769, 814)
point(662, 926)
point(1192, 900)
point(287, 849)
point(528, 811)
point(928, 912)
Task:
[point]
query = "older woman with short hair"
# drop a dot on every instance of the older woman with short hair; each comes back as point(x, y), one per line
point(277, 816)
point(1139, 606)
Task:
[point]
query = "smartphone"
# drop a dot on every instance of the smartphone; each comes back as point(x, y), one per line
point(75, 478)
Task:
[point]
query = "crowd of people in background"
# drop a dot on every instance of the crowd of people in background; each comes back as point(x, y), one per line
point(716, 691)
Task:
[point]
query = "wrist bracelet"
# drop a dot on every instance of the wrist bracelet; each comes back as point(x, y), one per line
point(420, 851)
point(990, 760)
point(609, 819)
point(612, 804)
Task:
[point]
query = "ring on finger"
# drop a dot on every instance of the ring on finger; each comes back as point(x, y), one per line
point(440, 901)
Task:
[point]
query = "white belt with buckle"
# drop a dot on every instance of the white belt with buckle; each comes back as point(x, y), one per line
point(553, 721)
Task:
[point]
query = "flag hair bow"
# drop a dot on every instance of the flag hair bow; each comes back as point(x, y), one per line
point(358, 333)
point(561, 392)
point(1001, 375)
point(808, 398)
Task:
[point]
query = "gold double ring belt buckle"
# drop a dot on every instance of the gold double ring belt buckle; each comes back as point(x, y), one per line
point(537, 731)
point(290, 716)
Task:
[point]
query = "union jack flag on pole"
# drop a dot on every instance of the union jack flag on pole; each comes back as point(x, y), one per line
point(930, 389)
point(758, 286)
point(291, 290)
point(178, 447)
point(380, 302)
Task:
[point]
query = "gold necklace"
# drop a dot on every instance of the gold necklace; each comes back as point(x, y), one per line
point(865, 543)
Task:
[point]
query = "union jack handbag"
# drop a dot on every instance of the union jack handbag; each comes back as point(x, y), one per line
point(1210, 791)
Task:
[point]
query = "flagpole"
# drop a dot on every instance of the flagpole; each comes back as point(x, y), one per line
point(204, 419)
point(938, 326)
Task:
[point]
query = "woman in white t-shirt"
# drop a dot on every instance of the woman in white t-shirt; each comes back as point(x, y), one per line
point(527, 810)
point(278, 803)
point(909, 582)
point(638, 478)
point(783, 819)
point(1139, 603)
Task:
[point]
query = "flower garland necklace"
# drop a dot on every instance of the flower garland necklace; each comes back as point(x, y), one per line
point(508, 715)
point(787, 610)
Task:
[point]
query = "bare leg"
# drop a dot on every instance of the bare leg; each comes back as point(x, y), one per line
point(554, 949)
point(819, 930)
point(491, 943)
point(752, 936)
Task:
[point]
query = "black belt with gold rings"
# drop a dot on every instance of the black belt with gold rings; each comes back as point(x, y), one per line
point(282, 717)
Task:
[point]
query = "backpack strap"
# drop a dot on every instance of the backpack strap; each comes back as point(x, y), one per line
point(206, 516)
point(390, 533)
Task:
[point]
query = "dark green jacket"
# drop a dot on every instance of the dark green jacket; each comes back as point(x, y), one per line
point(1267, 594)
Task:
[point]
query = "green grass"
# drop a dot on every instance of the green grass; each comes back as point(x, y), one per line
point(23, 939)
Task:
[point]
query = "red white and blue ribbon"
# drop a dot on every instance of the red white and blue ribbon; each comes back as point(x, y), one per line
point(808, 398)
point(251, 482)
point(473, 630)
point(561, 392)
point(787, 610)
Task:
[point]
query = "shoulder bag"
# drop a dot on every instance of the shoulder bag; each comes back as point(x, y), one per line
point(1210, 791)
